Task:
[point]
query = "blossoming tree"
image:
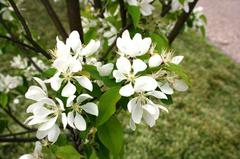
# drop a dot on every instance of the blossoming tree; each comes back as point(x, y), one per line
point(110, 62)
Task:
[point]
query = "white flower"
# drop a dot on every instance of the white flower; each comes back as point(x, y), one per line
point(45, 110)
point(8, 82)
point(146, 7)
point(167, 57)
point(111, 34)
point(133, 47)
point(105, 70)
point(37, 153)
point(126, 71)
point(67, 67)
point(142, 107)
point(19, 62)
point(51, 133)
point(176, 4)
point(74, 117)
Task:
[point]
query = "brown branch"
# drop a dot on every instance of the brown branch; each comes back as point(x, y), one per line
point(17, 42)
point(27, 30)
point(166, 7)
point(52, 14)
point(123, 13)
point(18, 133)
point(9, 113)
point(15, 139)
point(98, 6)
point(180, 22)
point(74, 17)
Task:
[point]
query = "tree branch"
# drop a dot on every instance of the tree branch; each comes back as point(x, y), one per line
point(9, 113)
point(18, 133)
point(27, 30)
point(15, 139)
point(74, 17)
point(165, 7)
point(98, 6)
point(180, 22)
point(55, 18)
point(123, 13)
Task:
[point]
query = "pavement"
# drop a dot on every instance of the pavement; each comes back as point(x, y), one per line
point(223, 28)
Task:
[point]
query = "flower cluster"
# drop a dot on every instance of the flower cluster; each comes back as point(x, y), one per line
point(138, 84)
point(139, 69)
point(146, 7)
point(179, 4)
point(8, 82)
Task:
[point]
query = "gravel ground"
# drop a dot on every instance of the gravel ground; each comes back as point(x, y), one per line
point(223, 27)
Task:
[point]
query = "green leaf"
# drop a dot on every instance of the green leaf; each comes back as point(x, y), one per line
point(134, 12)
point(177, 69)
point(111, 135)
point(107, 105)
point(67, 152)
point(49, 72)
point(91, 34)
point(167, 101)
point(3, 100)
point(160, 41)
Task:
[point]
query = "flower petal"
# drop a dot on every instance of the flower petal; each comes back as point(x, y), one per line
point(90, 108)
point(35, 93)
point(91, 48)
point(70, 99)
point(41, 83)
point(149, 119)
point(180, 85)
point(155, 60)
point(106, 69)
point(157, 94)
point(166, 88)
point(53, 134)
point(82, 97)
point(84, 82)
point(119, 76)
point(47, 125)
point(145, 83)
point(137, 113)
point(80, 122)
point(68, 90)
point(177, 59)
point(126, 90)
point(138, 66)
point(123, 65)
point(131, 104)
point(74, 41)
point(70, 119)
point(64, 120)
point(55, 82)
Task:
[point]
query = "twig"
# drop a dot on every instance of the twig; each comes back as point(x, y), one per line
point(98, 5)
point(9, 113)
point(180, 22)
point(15, 139)
point(123, 13)
point(74, 17)
point(165, 7)
point(27, 30)
point(18, 133)
point(55, 18)
point(17, 42)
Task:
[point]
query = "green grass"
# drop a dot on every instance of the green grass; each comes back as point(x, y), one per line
point(203, 122)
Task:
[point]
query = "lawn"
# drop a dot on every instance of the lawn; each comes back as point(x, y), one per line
point(203, 122)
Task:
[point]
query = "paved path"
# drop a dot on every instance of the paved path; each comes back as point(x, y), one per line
point(223, 26)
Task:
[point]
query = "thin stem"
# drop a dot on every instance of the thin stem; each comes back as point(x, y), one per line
point(74, 17)
point(123, 13)
point(9, 113)
point(98, 6)
point(52, 14)
point(180, 22)
point(17, 134)
point(16, 139)
point(27, 30)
